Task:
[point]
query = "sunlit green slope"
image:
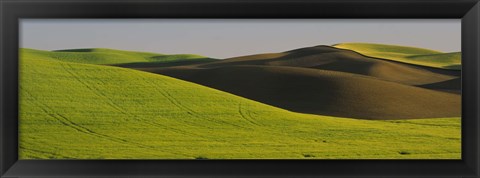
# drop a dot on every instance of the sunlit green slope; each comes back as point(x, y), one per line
point(84, 111)
point(412, 55)
point(109, 56)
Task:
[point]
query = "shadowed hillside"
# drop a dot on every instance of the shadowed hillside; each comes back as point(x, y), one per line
point(449, 85)
point(330, 58)
point(323, 92)
point(177, 62)
point(329, 81)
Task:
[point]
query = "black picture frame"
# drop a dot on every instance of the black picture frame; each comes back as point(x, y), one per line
point(13, 10)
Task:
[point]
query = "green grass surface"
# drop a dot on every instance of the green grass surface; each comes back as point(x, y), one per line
point(411, 55)
point(84, 111)
point(108, 56)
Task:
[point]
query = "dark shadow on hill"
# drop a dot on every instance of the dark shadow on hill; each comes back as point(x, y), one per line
point(78, 50)
point(166, 64)
point(456, 66)
point(323, 92)
point(453, 85)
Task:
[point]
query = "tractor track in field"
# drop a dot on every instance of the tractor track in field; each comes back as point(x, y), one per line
point(121, 110)
point(196, 114)
point(111, 103)
point(247, 116)
point(94, 90)
point(182, 132)
point(45, 152)
point(156, 124)
point(189, 111)
point(165, 93)
point(67, 122)
point(133, 116)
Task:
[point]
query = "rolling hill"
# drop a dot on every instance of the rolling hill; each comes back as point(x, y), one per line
point(111, 56)
point(334, 59)
point(329, 81)
point(324, 92)
point(83, 111)
point(411, 55)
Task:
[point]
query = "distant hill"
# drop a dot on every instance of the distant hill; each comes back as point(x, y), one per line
point(411, 55)
point(335, 59)
point(111, 56)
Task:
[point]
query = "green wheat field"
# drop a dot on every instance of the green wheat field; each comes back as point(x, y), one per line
point(362, 101)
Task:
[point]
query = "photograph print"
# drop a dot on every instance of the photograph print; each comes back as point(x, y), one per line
point(239, 89)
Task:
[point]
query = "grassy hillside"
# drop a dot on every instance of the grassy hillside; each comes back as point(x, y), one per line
point(84, 111)
point(411, 55)
point(443, 60)
point(109, 56)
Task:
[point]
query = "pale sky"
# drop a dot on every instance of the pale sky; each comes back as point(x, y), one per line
point(222, 38)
